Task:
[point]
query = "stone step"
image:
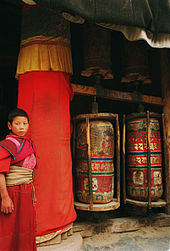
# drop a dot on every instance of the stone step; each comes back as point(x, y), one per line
point(120, 225)
point(72, 243)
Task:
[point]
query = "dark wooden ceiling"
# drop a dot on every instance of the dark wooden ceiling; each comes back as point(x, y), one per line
point(10, 20)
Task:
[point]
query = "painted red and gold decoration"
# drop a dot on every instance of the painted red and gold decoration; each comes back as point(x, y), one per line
point(102, 161)
point(137, 159)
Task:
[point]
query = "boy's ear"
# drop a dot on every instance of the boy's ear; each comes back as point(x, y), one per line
point(9, 125)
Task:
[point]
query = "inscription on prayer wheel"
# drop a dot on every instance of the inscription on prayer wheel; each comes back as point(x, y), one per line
point(102, 161)
point(137, 173)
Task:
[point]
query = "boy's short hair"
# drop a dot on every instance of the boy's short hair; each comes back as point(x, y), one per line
point(16, 112)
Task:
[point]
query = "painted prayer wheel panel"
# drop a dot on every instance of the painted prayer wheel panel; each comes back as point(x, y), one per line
point(102, 161)
point(137, 173)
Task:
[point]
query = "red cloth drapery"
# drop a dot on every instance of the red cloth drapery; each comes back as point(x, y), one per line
point(18, 228)
point(46, 97)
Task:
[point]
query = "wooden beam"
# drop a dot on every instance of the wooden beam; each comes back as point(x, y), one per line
point(116, 95)
point(165, 79)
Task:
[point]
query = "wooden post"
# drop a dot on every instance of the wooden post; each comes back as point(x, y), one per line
point(165, 80)
point(124, 158)
point(148, 160)
point(89, 161)
point(118, 157)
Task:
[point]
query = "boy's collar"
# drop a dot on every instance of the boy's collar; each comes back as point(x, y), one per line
point(23, 137)
point(16, 136)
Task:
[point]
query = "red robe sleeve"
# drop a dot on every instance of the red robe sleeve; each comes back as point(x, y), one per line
point(5, 160)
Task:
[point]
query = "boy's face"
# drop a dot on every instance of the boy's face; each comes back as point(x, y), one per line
point(19, 125)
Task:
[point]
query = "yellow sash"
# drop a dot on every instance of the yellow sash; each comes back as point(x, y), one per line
point(18, 176)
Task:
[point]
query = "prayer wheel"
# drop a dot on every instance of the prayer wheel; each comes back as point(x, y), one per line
point(96, 52)
point(94, 159)
point(144, 157)
point(135, 61)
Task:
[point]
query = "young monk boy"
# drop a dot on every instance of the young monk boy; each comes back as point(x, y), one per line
point(17, 161)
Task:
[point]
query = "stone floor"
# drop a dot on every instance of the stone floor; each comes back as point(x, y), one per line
point(145, 239)
point(119, 234)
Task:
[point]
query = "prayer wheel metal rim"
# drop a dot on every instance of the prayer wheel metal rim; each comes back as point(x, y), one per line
point(95, 116)
point(114, 204)
point(142, 115)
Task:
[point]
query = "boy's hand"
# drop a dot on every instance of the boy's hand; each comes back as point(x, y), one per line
point(7, 206)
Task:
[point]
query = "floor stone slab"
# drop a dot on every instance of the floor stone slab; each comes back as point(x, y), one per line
point(145, 239)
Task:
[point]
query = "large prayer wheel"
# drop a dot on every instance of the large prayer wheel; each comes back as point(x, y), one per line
point(96, 52)
point(144, 157)
point(96, 138)
point(102, 161)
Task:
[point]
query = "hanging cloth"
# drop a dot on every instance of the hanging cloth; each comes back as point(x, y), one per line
point(46, 98)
